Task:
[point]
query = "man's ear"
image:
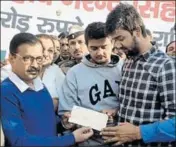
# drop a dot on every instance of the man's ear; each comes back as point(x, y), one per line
point(11, 58)
point(137, 32)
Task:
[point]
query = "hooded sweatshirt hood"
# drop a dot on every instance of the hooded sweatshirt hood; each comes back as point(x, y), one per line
point(114, 61)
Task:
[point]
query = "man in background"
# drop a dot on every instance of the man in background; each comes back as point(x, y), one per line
point(77, 47)
point(64, 49)
point(51, 75)
point(171, 50)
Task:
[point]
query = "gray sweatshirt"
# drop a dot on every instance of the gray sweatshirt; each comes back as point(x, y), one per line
point(91, 85)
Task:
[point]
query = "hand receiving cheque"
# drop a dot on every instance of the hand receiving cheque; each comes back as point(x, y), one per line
point(123, 133)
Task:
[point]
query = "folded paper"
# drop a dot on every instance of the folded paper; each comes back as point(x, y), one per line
point(88, 118)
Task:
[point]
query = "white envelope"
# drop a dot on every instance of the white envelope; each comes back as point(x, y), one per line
point(88, 118)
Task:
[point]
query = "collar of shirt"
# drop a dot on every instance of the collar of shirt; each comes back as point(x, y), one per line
point(22, 86)
point(146, 55)
point(7, 67)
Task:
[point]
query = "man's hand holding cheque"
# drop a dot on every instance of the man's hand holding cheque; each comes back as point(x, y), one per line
point(123, 133)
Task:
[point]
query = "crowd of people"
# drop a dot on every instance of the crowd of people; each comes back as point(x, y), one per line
point(114, 68)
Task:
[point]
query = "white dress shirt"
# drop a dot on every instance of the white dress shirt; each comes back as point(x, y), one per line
point(53, 79)
point(5, 71)
point(22, 86)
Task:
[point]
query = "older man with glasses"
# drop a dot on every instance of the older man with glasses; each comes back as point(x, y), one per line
point(27, 111)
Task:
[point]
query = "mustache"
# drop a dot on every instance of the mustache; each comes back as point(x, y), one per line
point(33, 69)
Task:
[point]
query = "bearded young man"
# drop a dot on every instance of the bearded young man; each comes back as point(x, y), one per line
point(147, 89)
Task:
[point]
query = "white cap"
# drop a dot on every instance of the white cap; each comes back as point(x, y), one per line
point(75, 29)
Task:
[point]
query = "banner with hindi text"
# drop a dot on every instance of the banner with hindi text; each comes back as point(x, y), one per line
point(53, 17)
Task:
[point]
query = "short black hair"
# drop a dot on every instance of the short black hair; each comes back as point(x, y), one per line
point(22, 38)
point(95, 30)
point(124, 16)
point(169, 44)
point(63, 35)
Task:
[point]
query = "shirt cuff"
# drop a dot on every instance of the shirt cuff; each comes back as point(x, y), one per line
point(148, 132)
point(71, 138)
point(68, 140)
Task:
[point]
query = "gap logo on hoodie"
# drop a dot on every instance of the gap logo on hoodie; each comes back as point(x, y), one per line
point(96, 95)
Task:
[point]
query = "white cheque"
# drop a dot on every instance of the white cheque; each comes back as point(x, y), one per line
point(88, 118)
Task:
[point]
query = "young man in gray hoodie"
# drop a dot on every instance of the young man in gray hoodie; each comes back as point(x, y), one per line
point(94, 82)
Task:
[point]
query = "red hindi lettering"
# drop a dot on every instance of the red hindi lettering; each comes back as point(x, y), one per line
point(48, 2)
point(135, 4)
point(90, 6)
point(143, 9)
point(155, 9)
point(168, 11)
point(87, 7)
point(148, 7)
point(66, 2)
point(77, 4)
point(100, 4)
point(20, 2)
